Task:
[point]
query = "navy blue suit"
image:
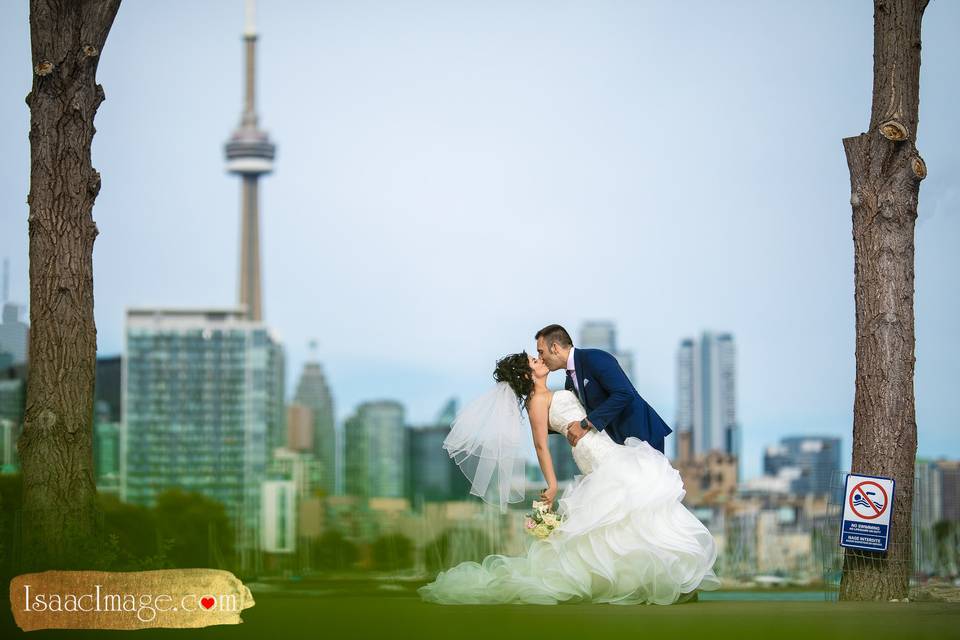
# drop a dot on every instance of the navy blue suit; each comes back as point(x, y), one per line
point(611, 401)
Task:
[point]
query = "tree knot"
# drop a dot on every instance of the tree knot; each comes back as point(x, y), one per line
point(919, 167)
point(893, 130)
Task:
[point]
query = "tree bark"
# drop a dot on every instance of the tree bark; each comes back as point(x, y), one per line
point(60, 524)
point(885, 174)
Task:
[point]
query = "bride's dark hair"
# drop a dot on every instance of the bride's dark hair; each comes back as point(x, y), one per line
point(515, 370)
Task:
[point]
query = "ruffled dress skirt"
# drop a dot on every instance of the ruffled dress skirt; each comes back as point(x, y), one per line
point(626, 539)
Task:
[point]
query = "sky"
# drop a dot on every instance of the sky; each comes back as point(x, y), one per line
point(451, 176)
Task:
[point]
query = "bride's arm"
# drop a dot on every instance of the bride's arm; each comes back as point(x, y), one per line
point(537, 410)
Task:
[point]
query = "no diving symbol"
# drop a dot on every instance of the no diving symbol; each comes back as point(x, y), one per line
point(868, 500)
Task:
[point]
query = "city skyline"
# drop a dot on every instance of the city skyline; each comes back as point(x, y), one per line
point(707, 394)
point(355, 181)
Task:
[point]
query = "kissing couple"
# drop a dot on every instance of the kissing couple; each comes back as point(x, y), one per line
point(625, 536)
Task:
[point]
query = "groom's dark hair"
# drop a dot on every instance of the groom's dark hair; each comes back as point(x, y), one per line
point(554, 333)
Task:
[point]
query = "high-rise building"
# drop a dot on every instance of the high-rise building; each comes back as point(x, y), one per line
point(250, 153)
point(950, 490)
point(108, 389)
point(433, 476)
point(928, 493)
point(375, 451)
point(299, 428)
point(448, 413)
point(816, 458)
point(107, 417)
point(684, 423)
point(278, 516)
point(602, 334)
point(706, 397)
point(202, 398)
point(12, 398)
point(9, 462)
point(299, 467)
point(314, 392)
point(106, 455)
point(13, 333)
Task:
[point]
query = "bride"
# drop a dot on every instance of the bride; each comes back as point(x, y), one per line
point(626, 538)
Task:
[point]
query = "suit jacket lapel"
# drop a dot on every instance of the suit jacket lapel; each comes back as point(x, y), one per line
point(581, 375)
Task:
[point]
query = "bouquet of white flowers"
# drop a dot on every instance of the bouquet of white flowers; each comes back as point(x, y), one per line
point(542, 521)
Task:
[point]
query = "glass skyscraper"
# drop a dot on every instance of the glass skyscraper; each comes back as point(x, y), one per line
point(12, 395)
point(433, 476)
point(13, 333)
point(314, 392)
point(375, 451)
point(706, 394)
point(202, 400)
point(107, 425)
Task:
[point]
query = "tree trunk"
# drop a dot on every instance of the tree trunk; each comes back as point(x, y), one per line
point(56, 447)
point(885, 175)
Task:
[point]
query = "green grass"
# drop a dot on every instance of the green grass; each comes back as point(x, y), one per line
point(399, 614)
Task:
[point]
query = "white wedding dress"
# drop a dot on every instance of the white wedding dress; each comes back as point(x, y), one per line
point(626, 539)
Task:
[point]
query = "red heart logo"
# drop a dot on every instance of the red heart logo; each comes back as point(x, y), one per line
point(207, 603)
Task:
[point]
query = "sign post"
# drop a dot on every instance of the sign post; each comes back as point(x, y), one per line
point(867, 505)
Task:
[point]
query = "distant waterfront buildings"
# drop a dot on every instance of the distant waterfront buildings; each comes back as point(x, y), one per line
point(278, 516)
point(375, 451)
point(9, 462)
point(107, 387)
point(950, 488)
point(706, 430)
point(928, 492)
point(816, 458)
point(314, 393)
point(107, 424)
point(13, 390)
point(106, 450)
point(13, 334)
point(937, 491)
point(300, 428)
point(202, 398)
point(434, 476)
point(706, 397)
point(602, 334)
point(709, 478)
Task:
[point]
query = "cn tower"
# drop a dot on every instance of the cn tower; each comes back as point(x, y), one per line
point(250, 155)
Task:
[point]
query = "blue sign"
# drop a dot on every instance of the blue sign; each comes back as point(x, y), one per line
point(867, 505)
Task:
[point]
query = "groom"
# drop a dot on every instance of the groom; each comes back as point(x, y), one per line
point(608, 396)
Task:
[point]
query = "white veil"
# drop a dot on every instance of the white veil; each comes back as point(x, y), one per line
point(485, 441)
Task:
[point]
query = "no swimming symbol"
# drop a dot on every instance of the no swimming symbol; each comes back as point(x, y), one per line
point(868, 500)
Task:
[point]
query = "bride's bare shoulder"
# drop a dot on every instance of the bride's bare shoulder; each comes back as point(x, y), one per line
point(538, 402)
